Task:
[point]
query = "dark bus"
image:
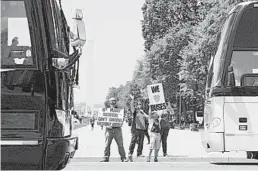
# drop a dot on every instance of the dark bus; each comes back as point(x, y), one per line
point(231, 103)
point(39, 67)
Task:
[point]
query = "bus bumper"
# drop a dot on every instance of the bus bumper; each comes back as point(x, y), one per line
point(21, 157)
point(213, 142)
point(60, 151)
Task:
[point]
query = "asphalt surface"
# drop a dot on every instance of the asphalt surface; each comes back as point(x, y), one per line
point(184, 148)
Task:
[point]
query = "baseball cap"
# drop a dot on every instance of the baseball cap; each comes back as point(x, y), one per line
point(112, 99)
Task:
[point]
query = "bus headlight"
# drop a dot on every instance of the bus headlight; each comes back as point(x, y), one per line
point(64, 120)
point(215, 122)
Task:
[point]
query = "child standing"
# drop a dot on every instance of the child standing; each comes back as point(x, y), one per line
point(155, 137)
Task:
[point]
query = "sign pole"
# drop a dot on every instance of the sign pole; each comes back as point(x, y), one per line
point(180, 108)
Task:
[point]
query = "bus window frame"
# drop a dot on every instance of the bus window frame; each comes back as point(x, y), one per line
point(230, 49)
point(223, 52)
point(31, 26)
point(56, 50)
point(209, 77)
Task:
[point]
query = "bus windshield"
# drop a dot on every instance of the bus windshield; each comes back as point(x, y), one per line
point(247, 30)
point(244, 62)
point(15, 36)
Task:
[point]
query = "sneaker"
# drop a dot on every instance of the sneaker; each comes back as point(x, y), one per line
point(155, 159)
point(165, 155)
point(123, 159)
point(140, 155)
point(130, 159)
point(104, 160)
point(148, 159)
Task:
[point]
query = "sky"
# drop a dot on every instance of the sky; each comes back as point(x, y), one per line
point(114, 42)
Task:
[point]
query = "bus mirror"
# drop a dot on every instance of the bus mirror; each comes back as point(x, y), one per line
point(231, 78)
point(78, 32)
point(230, 69)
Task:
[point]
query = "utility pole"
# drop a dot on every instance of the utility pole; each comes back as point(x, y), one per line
point(180, 101)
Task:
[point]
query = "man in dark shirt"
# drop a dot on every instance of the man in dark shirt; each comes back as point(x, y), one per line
point(116, 133)
point(138, 128)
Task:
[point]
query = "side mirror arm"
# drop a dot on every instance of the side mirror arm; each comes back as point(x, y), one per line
point(231, 81)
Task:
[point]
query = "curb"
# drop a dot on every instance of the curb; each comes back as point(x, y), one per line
point(172, 159)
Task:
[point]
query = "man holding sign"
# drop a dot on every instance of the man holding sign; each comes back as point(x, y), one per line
point(113, 119)
point(138, 127)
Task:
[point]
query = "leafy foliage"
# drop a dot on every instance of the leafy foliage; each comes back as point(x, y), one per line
point(180, 37)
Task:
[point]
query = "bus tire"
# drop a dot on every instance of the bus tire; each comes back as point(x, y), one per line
point(249, 155)
point(61, 166)
point(255, 155)
point(252, 154)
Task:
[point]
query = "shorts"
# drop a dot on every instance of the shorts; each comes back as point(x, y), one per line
point(155, 140)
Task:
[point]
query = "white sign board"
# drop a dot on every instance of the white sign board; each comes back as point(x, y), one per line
point(156, 97)
point(110, 117)
point(255, 71)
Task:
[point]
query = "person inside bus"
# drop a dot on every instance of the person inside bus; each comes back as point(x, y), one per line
point(138, 128)
point(116, 133)
point(14, 44)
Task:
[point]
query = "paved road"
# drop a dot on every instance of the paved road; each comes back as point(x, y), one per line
point(185, 152)
point(181, 143)
point(186, 165)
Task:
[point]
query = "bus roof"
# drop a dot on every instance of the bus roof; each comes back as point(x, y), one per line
point(242, 6)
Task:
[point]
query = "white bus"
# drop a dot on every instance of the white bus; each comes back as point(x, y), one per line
point(231, 104)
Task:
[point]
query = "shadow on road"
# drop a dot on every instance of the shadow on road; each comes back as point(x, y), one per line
point(77, 126)
point(235, 164)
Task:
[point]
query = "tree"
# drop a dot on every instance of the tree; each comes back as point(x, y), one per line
point(159, 16)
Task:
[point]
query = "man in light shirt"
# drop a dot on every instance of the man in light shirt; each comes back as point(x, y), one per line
point(116, 133)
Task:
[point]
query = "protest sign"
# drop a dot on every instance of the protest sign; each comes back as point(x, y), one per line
point(111, 117)
point(156, 97)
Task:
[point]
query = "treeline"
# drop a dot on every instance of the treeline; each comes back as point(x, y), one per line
point(180, 37)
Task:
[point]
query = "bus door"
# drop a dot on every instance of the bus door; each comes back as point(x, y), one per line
point(241, 107)
point(241, 123)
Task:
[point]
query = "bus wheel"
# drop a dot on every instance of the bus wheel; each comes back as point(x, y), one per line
point(252, 155)
point(255, 155)
point(249, 155)
point(61, 166)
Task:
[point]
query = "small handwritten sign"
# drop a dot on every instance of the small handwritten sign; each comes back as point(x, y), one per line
point(111, 117)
